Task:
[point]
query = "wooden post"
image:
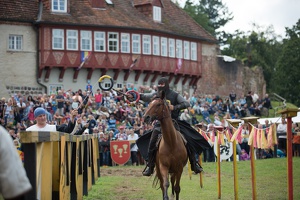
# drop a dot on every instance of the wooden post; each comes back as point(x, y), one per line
point(235, 123)
point(47, 161)
point(189, 169)
point(94, 141)
point(64, 188)
point(89, 164)
point(289, 113)
point(252, 120)
point(79, 168)
point(55, 170)
point(219, 169)
point(30, 168)
point(219, 162)
point(201, 174)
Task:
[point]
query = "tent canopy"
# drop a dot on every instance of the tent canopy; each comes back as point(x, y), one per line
point(278, 119)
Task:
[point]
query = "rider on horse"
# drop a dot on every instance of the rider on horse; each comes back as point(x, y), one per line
point(195, 141)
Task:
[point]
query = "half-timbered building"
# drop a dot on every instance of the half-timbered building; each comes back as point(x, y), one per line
point(133, 41)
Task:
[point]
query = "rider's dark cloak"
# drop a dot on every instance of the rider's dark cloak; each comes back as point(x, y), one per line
point(196, 142)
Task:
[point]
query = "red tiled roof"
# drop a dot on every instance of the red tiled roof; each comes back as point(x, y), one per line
point(124, 14)
point(20, 10)
point(141, 2)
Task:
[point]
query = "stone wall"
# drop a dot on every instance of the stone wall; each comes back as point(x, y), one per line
point(220, 77)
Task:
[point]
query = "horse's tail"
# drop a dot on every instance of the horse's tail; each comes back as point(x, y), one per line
point(155, 181)
point(157, 173)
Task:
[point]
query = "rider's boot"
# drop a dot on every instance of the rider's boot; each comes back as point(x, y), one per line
point(196, 167)
point(149, 169)
point(151, 154)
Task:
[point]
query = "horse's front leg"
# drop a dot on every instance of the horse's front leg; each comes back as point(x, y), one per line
point(172, 182)
point(164, 183)
point(177, 183)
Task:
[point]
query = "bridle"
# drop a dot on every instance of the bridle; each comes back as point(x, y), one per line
point(166, 113)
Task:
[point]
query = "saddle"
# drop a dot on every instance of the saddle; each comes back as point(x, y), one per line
point(160, 137)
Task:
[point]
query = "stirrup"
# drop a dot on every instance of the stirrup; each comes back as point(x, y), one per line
point(147, 171)
point(198, 169)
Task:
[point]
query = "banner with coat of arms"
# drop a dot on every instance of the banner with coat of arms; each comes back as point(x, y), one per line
point(120, 151)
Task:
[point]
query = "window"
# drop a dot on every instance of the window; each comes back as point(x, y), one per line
point(178, 48)
point(125, 43)
point(164, 47)
point(119, 85)
point(15, 42)
point(113, 42)
point(156, 45)
point(193, 51)
point(136, 43)
point(86, 40)
point(171, 48)
point(157, 13)
point(59, 6)
point(186, 50)
point(58, 39)
point(107, 85)
point(99, 41)
point(146, 44)
point(72, 40)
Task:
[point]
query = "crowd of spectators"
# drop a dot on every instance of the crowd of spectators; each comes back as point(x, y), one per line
point(112, 118)
point(215, 109)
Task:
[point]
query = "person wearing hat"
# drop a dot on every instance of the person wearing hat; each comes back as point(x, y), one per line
point(40, 116)
point(196, 143)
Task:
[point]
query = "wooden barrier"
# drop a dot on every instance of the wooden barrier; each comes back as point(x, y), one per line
point(59, 165)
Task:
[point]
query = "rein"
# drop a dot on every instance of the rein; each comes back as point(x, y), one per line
point(166, 113)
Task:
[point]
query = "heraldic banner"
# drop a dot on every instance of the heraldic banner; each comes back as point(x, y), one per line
point(120, 151)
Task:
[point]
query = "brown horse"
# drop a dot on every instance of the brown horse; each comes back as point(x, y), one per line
point(171, 156)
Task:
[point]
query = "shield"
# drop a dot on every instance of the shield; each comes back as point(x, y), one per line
point(226, 150)
point(120, 151)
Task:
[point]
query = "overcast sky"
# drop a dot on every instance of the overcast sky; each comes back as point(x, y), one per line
point(279, 13)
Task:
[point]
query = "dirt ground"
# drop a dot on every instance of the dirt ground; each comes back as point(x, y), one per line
point(122, 171)
point(125, 187)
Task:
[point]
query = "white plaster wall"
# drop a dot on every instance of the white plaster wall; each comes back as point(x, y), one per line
point(18, 68)
point(81, 82)
point(209, 50)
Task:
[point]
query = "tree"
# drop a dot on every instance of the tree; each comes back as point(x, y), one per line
point(210, 14)
point(286, 80)
point(201, 18)
point(255, 48)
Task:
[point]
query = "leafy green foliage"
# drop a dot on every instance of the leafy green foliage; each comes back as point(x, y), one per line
point(280, 59)
point(210, 14)
point(256, 48)
point(286, 81)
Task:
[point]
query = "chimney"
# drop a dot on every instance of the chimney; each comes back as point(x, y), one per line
point(97, 3)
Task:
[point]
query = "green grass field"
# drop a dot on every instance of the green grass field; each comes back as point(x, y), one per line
point(127, 183)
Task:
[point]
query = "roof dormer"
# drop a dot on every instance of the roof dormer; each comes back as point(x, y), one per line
point(97, 3)
point(156, 13)
point(59, 6)
point(150, 8)
point(100, 3)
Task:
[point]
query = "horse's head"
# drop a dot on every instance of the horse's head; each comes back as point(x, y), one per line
point(157, 109)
